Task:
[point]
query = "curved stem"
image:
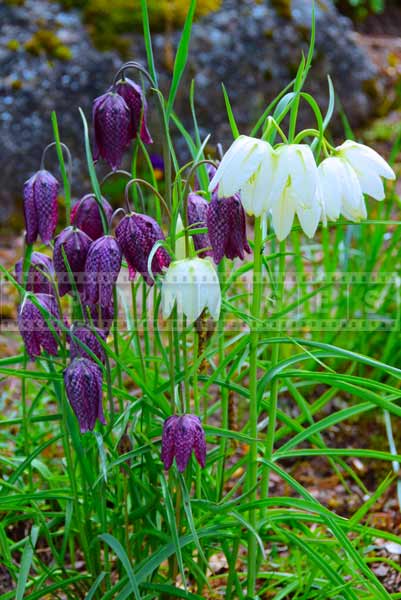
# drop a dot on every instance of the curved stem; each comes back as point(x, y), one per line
point(67, 151)
point(132, 64)
point(306, 133)
point(139, 181)
point(118, 172)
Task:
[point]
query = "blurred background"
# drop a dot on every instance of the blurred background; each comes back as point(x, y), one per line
point(61, 55)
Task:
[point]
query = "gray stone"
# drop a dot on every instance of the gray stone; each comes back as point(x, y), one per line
point(246, 45)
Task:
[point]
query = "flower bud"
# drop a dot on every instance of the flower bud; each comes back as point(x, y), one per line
point(34, 328)
point(83, 384)
point(136, 235)
point(76, 245)
point(193, 285)
point(102, 266)
point(181, 435)
point(197, 214)
point(112, 128)
point(85, 214)
point(40, 206)
point(40, 277)
point(136, 102)
point(227, 228)
point(87, 336)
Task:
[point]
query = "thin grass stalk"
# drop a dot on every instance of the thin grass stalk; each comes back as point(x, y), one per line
point(252, 474)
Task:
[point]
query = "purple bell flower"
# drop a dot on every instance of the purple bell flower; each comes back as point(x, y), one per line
point(40, 278)
point(136, 102)
point(227, 228)
point(76, 245)
point(103, 264)
point(87, 336)
point(85, 214)
point(40, 206)
point(33, 327)
point(83, 384)
point(181, 435)
point(112, 128)
point(197, 215)
point(136, 235)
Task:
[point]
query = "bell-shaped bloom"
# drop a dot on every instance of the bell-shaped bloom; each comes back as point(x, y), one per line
point(85, 214)
point(136, 102)
point(294, 191)
point(89, 337)
point(40, 206)
point(83, 384)
point(369, 167)
point(136, 235)
point(339, 191)
point(227, 228)
point(181, 436)
point(112, 128)
point(197, 214)
point(35, 327)
point(40, 277)
point(75, 244)
point(102, 266)
point(193, 285)
point(248, 166)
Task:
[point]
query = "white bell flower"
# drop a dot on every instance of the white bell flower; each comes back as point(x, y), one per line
point(369, 167)
point(247, 166)
point(193, 285)
point(294, 191)
point(339, 191)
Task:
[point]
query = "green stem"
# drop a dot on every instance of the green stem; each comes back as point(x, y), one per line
point(272, 413)
point(252, 475)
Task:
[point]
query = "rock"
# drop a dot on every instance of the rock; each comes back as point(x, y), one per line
point(248, 45)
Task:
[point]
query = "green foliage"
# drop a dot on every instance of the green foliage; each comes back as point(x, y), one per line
point(360, 9)
point(46, 42)
point(109, 20)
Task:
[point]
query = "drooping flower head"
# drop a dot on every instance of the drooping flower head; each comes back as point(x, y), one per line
point(193, 285)
point(75, 244)
point(40, 279)
point(34, 329)
point(112, 128)
point(83, 384)
point(248, 166)
point(339, 191)
point(227, 228)
point(87, 336)
point(40, 206)
point(197, 214)
point(369, 167)
point(138, 107)
point(293, 191)
point(102, 266)
point(181, 436)
point(136, 235)
point(85, 214)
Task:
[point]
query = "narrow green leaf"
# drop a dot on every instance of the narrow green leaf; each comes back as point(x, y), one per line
point(119, 550)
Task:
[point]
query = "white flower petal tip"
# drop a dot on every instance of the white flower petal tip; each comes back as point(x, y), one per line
point(369, 167)
point(247, 166)
point(193, 285)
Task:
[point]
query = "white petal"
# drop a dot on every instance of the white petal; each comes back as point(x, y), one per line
point(309, 216)
point(238, 165)
point(303, 172)
point(255, 193)
point(371, 184)
point(362, 157)
point(330, 187)
point(283, 211)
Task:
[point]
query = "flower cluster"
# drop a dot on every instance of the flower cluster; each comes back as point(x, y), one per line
point(253, 177)
point(286, 180)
